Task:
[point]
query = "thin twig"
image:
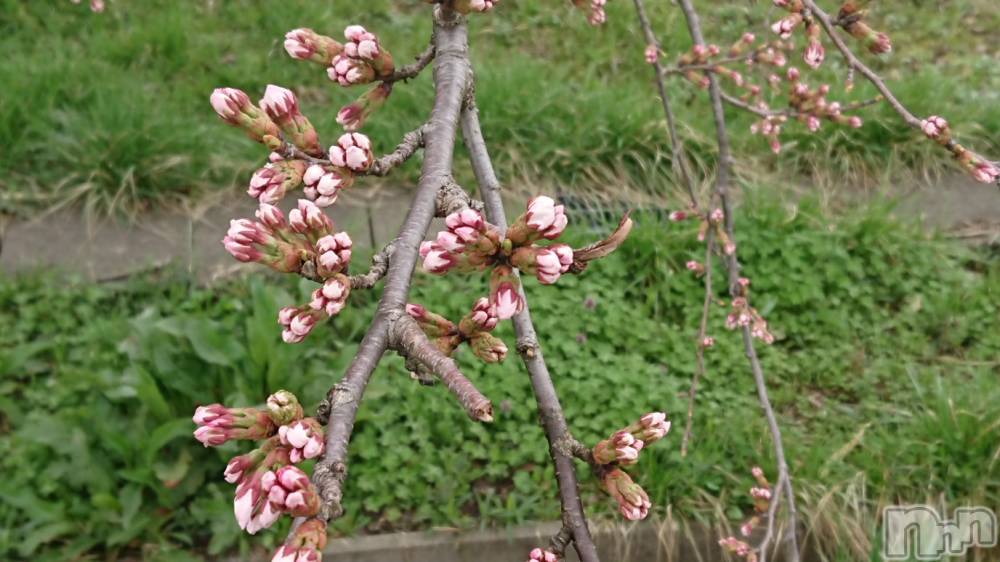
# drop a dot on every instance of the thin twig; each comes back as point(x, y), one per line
point(790, 112)
point(403, 152)
point(413, 69)
point(549, 409)
point(700, 343)
point(380, 266)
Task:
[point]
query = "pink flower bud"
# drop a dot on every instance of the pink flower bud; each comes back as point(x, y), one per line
point(813, 123)
point(707, 341)
point(437, 260)
point(482, 5)
point(280, 104)
point(985, 172)
point(677, 216)
point(504, 292)
point(539, 555)
point(935, 127)
point(332, 296)
point(305, 437)
point(229, 103)
point(361, 43)
point(306, 44)
point(716, 216)
point(484, 315)
point(879, 43)
point(547, 266)
point(350, 71)
point(308, 218)
point(324, 183)
point(633, 503)
point(855, 122)
point(218, 424)
point(815, 54)
point(353, 151)
point(488, 347)
point(652, 53)
point(695, 267)
point(305, 543)
point(334, 253)
point(784, 27)
point(271, 217)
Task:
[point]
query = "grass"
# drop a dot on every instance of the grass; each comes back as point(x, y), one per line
point(110, 111)
point(884, 376)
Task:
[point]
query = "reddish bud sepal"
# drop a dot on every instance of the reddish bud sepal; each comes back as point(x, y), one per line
point(354, 115)
point(622, 448)
point(234, 107)
point(633, 503)
point(488, 347)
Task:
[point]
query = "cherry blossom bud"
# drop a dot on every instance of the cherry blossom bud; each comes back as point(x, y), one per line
point(855, 122)
point(936, 128)
point(696, 267)
point(488, 347)
point(97, 6)
point(284, 408)
point(651, 427)
point(218, 424)
point(736, 546)
point(467, 6)
point(622, 447)
point(879, 43)
point(746, 529)
point(361, 44)
point(290, 491)
point(482, 318)
point(331, 298)
point(306, 44)
point(334, 253)
point(270, 183)
point(677, 216)
point(437, 260)
point(353, 116)
point(813, 123)
point(505, 292)
point(760, 493)
point(633, 503)
point(309, 219)
point(281, 105)
point(234, 107)
point(353, 151)
point(597, 14)
point(250, 503)
point(815, 54)
point(271, 217)
point(985, 172)
point(243, 464)
point(716, 216)
point(539, 555)
point(348, 71)
point(545, 263)
point(324, 183)
point(306, 543)
point(784, 27)
point(305, 437)
point(431, 324)
point(707, 341)
point(652, 53)
point(543, 219)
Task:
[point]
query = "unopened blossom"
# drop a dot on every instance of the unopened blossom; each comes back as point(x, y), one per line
point(539, 555)
point(505, 292)
point(348, 71)
point(437, 260)
point(813, 123)
point(678, 216)
point(281, 105)
point(622, 447)
point(250, 505)
point(297, 323)
point(633, 503)
point(324, 183)
point(543, 219)
point(814, 54)
point(247, 240)
point(696, 267)
point(352, 151)
point(738, 547)
point(305, 44)
point(716, 216)
point(652, 53)
point(488, 347)
point(305, 544)
point(468, 6)
point(284, 407)
point(353, 115)
point(307, 218)
point(270, 183)
point(468, 241)
point(482, 318)
point(333, 253)
point(234, 107)
point(331, 298)
point(442, 332)
point(271, 217)
point(707, 341)
point(650, 427)
point(985, 172)
point(547, 264)
point(304, 437)
point(761, 498)
point(936, 128)
point(746, 529)
point(784, 27)
point(218, 424)
point(597, 14)
point(361, 43)
point(242, 464)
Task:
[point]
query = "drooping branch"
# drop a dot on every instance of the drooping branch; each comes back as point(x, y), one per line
point(411, 342)
point(700, 343)
point(550, 410)
point(722, 186)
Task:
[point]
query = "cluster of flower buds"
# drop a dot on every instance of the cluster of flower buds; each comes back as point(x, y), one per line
point(937, 129)
point(270, 183)
point(633, 502)
point(474, 328)
point(305, 545)
point(234, 107)
point(362, 60)
point(469, 243)
point(851, 17)
point(761, 495)
point(281, 105)
point(715, 220)
point(268, 483)
point(353, 151)
point(466, 7)
point(622, 449)
point(539, 555)
point(815, 53)
point(323, 183)
point(742, 315)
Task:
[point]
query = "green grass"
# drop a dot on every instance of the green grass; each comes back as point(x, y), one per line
point(110, 111)
point(880, 327)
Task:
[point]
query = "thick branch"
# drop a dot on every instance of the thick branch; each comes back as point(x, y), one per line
point(452, 198)
point(549, 409)
point(407, 338)
point(450, 78)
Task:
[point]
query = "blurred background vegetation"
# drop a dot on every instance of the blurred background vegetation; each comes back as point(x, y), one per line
point(884, 372)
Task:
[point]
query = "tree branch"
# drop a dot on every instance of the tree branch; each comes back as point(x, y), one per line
point(413, 69)
point(380, 266)
point(404, 151)
point(551, 413)
point(700, 343)
point(411, 342)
